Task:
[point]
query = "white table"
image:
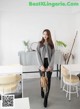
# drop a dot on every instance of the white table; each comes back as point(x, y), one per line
point(30, 68)
point(13, 68)
point(29, 59)
point(20, 103)
point(73, 69)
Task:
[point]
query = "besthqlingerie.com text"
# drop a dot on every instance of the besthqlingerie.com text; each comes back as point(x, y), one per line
point(53, 4)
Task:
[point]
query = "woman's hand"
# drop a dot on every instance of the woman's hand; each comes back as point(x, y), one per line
point(49, 69)
point(42, 68)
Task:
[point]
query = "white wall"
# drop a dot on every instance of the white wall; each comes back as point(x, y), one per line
point(16, 27)
point(1, 57)
point(77, 42)
point(19, 22)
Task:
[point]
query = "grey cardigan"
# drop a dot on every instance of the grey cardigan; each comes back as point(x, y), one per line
point(41, 55)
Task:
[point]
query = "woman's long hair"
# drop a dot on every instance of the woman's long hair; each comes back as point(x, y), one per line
point(49, 40)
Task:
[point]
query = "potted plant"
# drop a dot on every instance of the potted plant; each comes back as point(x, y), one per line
point(60, 44)
point(66, 56)
point(26, 44)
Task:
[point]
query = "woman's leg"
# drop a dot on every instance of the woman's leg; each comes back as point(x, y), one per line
point(43, 74)
point(49, 84)
point(49, 81)
point(42, 92)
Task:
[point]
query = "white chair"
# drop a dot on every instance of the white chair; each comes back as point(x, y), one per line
point(70, 83)
point(9, 83)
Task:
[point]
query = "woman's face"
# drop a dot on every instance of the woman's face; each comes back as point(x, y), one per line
point(45, 36)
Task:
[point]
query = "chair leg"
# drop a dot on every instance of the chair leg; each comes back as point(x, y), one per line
point(63, 87)
point(3, 91)
point(73, 88)
point(69, 92)
point(77, 91)
point(61, 83)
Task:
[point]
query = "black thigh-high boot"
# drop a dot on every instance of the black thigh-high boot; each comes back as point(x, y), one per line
point(49, 84)
point(42, 92)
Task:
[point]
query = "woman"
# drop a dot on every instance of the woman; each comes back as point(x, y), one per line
point(45, 53)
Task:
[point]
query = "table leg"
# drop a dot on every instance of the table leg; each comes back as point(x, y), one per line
point(60, 72)
point(57, 70)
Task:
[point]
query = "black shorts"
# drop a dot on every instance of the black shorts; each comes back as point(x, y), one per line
point(46, 62)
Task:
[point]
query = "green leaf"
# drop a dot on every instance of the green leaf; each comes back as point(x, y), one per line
point(60, 43)
point(26, 43)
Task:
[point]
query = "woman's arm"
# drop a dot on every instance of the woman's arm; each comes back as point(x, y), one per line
point(39, 55)
point(52, 59)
